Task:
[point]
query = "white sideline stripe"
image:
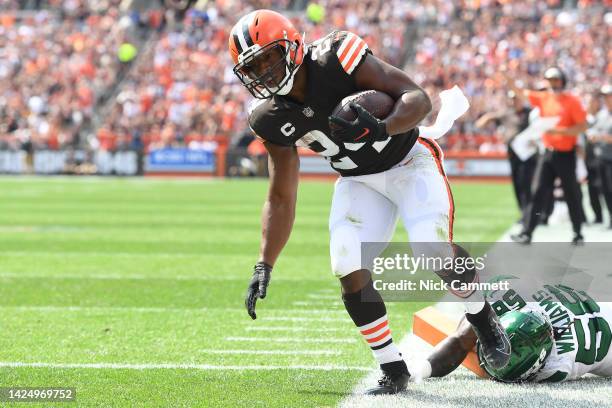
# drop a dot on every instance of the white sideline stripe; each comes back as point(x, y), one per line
point(276, 352)
point(284, 312)
point(308, 319)
point(179, 366)
point(96, 276)
point(325, 297)
point(105, 309)
point(296, 329)
point(111, 277)
point(109, 254)
point(295, 340)
point(307, 303)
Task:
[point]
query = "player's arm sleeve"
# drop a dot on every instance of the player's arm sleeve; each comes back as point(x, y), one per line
point(534, 98)
point(351, 50)
point(267, 132)
point(450, 352)
point(577, 111)
point(556, 376)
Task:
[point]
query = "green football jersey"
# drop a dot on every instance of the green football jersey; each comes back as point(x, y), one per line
point(582, 329)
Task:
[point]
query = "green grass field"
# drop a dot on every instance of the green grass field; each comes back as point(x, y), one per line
point(131, 290)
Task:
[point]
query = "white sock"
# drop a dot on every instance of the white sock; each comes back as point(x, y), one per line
point(388, 354)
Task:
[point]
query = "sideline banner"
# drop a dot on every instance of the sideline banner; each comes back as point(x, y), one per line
point(180, 160)
point(124, 163)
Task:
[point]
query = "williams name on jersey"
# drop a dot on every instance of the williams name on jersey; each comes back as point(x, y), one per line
point(331, 63)
point(582, 328)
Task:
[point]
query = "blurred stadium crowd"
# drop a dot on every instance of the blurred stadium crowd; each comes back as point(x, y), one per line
point(63, 83)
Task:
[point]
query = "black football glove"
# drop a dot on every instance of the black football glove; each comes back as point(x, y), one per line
point(257, 287)
point(365, 126)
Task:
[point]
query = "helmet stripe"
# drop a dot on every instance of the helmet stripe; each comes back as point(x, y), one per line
point(241, 34)
point(237, 43)
point(245, 32)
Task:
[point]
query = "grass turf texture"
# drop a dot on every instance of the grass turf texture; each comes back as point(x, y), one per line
point(137, 271)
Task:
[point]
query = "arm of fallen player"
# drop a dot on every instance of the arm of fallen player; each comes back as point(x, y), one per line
point(412, 104)
point(447, 355)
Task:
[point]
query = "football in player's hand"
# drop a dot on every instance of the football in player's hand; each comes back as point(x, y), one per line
point(379, 104)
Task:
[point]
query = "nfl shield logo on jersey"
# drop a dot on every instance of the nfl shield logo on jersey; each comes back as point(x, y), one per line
point(308, 112)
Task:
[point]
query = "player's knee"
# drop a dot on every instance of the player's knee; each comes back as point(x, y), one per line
point(345, 250)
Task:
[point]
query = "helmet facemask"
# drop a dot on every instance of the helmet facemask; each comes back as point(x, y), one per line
point(280, 68)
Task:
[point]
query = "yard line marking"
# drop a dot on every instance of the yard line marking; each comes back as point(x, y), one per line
point(104, 277)
point(180, 366)
point(327, 290)
point(96, 276)
point(276, 352)
point(295, 329)
point(291, 339)
point(124, 254)
point(307, 319)
point(104, 309)
point(318, 296)
point(284, 312)
point(307, 303)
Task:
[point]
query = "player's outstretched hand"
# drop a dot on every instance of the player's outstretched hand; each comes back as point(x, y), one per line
point(257, 287)
point(365, 126)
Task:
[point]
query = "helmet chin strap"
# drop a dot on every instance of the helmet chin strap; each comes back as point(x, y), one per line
point(286, 88)
point(289, 74)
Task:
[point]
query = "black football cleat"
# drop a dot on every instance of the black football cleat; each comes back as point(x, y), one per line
point(578, 240)
point(494, 342)
point(522, 238)
point(394, 380)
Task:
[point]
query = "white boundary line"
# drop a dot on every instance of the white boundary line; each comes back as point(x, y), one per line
point(16, 275)
point(179, 366)
point(295, 329)
point(294, 340)
point(265, 314)
point(121, 254)
point(317, 303)
point(309, 319)
point(274, 352)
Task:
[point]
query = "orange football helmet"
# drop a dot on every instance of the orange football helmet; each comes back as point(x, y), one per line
point(267, 50)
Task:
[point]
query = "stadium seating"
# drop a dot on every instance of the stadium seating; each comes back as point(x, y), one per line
point(181, 89)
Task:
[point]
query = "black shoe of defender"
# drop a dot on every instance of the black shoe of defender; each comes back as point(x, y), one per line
point(578, 240)
point(395, 379)
point(522, 238)
point(494, 342)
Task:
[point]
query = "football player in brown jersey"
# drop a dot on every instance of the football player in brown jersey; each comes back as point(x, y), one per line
point(389, 174)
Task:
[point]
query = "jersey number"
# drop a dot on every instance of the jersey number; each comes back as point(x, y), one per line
point(591, 353)
point(318, 141)
point(320, 47)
